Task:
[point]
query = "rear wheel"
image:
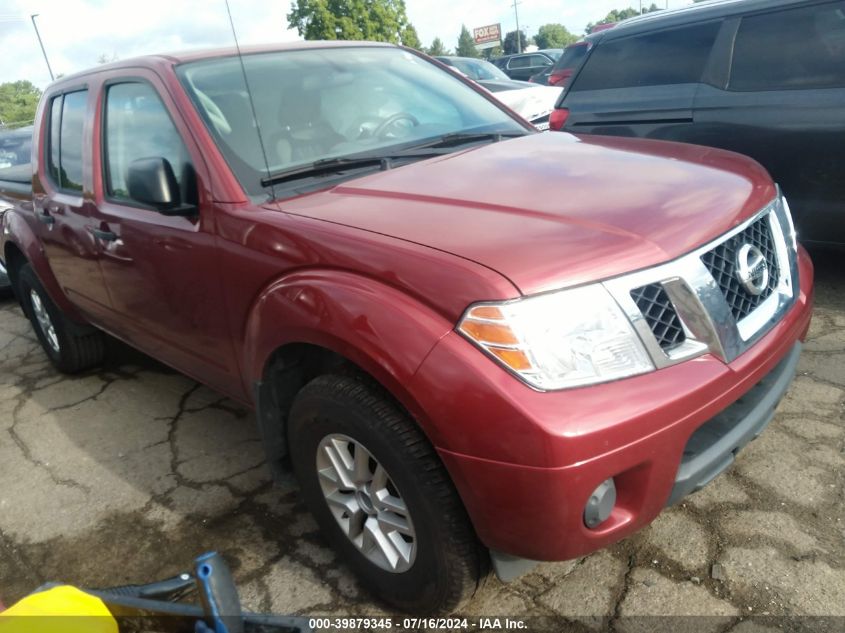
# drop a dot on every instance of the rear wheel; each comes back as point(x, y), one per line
point(70, 347)
point(381, 496)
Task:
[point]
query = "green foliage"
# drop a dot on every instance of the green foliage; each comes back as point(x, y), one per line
point(18, 101)
point(510, 42)
point(492, 53)
point(618, 15)
point(376, 20)
point(437, 48)
point(554, 36)
point(466, 44)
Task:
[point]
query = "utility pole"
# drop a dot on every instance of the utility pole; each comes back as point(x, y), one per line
point(516, 15)
point(38, 35)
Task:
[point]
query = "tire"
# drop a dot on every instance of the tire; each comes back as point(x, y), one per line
point(447, 560)
point(69, 346)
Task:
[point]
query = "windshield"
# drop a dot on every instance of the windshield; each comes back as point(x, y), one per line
point(318, 104)
point(478, 69)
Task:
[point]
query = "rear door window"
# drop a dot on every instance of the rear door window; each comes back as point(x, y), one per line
point(519, 62)
point(55, 129)
point(675, 56)
point(67, 124)
point(791, 49)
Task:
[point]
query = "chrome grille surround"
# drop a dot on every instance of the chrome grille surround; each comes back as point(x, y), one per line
point(709, 323)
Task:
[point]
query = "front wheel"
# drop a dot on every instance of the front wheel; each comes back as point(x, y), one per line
point(381, 496)
point(70, 347)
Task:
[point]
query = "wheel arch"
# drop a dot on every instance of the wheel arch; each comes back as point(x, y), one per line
point(22, 247)
point(329, 321)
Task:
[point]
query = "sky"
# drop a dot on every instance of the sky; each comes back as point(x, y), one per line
point(76, 33)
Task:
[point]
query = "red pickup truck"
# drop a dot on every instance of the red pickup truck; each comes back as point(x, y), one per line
point(473, 342)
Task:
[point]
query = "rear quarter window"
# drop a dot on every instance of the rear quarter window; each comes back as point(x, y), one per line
point(573, 56)
point(675, 56)
point(791, 49)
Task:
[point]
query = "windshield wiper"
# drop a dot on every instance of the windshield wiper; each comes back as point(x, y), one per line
point(424, 150)
point(334, 165)
point(463, 138)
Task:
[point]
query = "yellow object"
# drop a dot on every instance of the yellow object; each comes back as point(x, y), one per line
point(62, 609)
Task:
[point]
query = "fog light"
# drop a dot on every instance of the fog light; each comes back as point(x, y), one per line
point(600, 504)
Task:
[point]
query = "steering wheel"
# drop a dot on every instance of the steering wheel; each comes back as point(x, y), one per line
point(393, 119)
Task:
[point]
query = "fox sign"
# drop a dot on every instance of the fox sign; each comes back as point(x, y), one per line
point(487, 36)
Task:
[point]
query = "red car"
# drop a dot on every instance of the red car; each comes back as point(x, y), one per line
point(471, 339)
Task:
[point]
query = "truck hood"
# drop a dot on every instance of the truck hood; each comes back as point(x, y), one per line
point(553, 210)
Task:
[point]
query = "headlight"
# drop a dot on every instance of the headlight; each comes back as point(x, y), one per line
point(558, 340)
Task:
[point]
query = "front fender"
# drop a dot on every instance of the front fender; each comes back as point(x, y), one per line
point(17, 231)
point(378, 327)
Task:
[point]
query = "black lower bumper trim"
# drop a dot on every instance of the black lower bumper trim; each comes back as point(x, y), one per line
point(713, 446)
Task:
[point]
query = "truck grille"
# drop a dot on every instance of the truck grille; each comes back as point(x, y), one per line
point(707, 300)
point(660, 315)
point(721, 262)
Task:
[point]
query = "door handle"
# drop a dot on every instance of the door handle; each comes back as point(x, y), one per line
point(106, 236)
point(46, 218)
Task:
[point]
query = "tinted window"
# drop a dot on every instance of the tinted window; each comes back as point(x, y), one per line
point(799, 48)
point(55, 128)
point(138, 126)
point(539, 60)
point(573, 56)
point(70, 148)
point(662, 58)
point(519, 62)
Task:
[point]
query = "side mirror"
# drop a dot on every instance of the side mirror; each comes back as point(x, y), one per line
point(151, 181)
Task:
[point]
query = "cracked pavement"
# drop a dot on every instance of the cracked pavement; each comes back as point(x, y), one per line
point(123, 475)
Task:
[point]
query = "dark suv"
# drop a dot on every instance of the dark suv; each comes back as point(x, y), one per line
point(764, 78)
point(523, 66)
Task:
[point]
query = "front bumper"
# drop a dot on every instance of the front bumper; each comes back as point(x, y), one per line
point(525, 463)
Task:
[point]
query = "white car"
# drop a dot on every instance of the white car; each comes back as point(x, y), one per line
point(532, 102)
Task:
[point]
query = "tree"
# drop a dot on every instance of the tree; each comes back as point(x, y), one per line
point(18, 101)
point(618, 15)
point(510, 42)
point(437, 48)
point(554, 36)
point(492, 53)
point(466, 44)
point(378, 20)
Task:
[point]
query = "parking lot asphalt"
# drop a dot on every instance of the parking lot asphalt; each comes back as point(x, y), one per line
point(125, 474)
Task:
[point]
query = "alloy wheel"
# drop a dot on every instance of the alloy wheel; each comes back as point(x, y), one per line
point(366, 503)
point(45, 323)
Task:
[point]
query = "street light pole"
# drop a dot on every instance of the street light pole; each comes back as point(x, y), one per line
point(38, 35)
point(516, 15)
